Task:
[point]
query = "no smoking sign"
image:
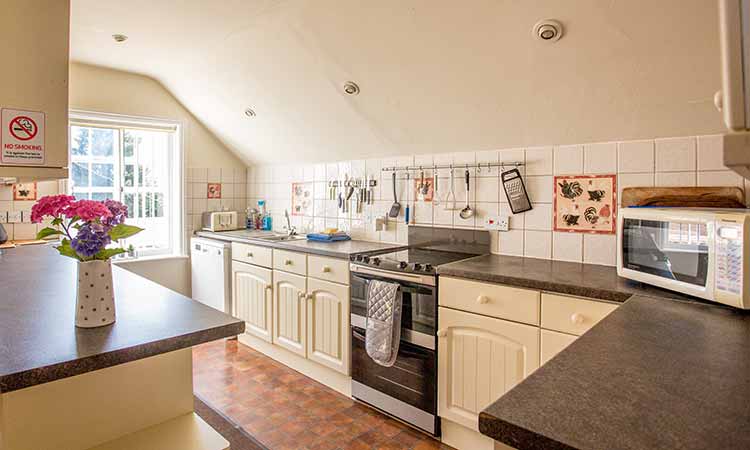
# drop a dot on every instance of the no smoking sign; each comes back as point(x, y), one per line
point(22, 137)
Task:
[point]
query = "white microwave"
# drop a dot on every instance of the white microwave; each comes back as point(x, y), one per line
point(699, 252)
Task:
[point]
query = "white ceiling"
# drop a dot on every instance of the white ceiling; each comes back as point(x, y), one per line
point(436, 75)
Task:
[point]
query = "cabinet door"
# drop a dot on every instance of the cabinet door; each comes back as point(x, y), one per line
point(251, 298)
point(479, 359)
point(289, 312)
point(328, 333)
point(553, 343)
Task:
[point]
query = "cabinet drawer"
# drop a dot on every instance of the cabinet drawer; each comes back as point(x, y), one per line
point(252, 254)
point(290, 262)
point(520, 305)
point(328, 269)
point(553, 343)
point(572, 315)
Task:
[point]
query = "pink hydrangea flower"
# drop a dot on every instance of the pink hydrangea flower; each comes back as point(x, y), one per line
point(51, 205)
point(88, 210)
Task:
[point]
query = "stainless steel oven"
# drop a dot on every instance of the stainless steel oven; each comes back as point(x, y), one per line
point(408, 389)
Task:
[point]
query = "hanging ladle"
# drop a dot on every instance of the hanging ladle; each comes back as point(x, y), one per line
point(467, 212)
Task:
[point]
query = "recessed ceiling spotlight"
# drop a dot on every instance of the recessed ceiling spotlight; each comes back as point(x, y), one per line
point(351, 88)
point(250, 113)
point(548, 30)
point(119, 37)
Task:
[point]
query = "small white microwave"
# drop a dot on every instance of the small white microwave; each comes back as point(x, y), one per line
point(220, 221)
point(696, 251)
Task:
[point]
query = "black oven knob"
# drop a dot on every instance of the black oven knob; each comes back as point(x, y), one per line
point(428, 267)
point(359, 258)
point(402, 265)
point(376, 261)
point(366, 259)
point(417, 266)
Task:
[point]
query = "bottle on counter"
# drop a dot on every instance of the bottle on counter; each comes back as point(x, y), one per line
point(265, 217)
point(252, 219)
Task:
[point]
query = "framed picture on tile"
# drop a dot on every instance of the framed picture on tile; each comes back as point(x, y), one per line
point(24, 191)
point(585, 204)
point(302, 199)
point(214, 190)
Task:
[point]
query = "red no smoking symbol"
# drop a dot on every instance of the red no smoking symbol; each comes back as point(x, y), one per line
point(23, 128)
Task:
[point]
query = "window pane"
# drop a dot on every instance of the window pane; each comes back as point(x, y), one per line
point(159, 205)
point(79, 141)
point(128, 142)
point(129, 175)
point(100, 196)
point(81, 195)
point(103, 175)
point(102, 142)
point(80, 174)
point(129, 200)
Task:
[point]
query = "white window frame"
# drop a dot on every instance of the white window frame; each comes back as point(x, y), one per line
point(175, 161)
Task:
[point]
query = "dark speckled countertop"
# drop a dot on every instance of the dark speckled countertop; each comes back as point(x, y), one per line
point(341, 249)
point(39, 342)
point(661, 371)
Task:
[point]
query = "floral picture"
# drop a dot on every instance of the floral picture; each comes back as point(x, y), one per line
point(214, 190)
point(302, 199)
point(24, 191)
point(585, 203)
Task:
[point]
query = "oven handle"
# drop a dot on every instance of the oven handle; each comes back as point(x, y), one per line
point(429, 281)
point(401, 348)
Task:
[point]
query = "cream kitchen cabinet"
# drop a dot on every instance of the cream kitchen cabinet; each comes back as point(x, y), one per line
point(290, 312)
point(553, 343)
point(479, 359)
point(252, 297)
point(328, 336)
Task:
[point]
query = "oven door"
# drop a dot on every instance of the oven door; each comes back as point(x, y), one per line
point(407, 390)
point(419, 303)
point(670, 253)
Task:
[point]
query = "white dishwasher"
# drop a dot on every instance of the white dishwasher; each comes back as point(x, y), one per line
point(210, 264)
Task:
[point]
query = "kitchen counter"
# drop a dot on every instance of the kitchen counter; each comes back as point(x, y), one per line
point(583, 280)
point(655, 373)
point(663, 370)
point(39, 342)
point(341, 249)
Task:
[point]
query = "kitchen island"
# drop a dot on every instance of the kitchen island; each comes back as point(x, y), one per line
point(126, 384)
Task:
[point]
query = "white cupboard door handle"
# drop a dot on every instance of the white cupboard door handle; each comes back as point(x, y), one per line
point(288, 262)
point(577, 318)
point(309, 297)
point(482, 300)
point(269, 290)
point(302, 295)
point(442, 333)
point(326, 269)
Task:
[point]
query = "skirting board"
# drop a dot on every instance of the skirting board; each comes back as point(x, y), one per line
point(329, 377)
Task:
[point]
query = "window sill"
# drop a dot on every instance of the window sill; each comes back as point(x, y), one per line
point(148, 258)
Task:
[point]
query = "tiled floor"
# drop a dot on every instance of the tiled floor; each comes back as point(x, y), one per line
point(283, 409)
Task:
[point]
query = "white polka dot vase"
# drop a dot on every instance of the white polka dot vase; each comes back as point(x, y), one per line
point(95, 303)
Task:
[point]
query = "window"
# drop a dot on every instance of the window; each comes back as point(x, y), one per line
point(137, 161)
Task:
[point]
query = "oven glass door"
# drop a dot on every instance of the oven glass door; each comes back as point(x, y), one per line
point(418, 312)
point(411, 379)
point(670, 250)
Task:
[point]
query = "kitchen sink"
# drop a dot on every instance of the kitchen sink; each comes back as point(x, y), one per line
point(279, 238)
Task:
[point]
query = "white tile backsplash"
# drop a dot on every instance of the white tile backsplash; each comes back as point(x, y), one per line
point(675, 154)
point(660, 162)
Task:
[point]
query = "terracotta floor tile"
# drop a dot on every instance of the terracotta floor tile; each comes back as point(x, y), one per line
point(283, 409)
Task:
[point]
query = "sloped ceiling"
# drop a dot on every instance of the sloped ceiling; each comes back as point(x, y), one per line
point(436, 75)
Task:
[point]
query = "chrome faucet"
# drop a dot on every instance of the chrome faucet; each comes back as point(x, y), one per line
point(290, 230)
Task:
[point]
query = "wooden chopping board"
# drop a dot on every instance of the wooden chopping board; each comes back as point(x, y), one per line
point(688, 197)
point(13, 244)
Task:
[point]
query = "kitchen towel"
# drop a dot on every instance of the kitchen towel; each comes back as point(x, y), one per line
point(323, 237)
point(383, 329)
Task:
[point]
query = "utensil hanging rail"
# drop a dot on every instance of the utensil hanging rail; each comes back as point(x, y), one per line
point(454, 166)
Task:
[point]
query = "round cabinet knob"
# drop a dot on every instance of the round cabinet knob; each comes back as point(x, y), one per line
point(302, 295)
point(269, 289)
point(249, 254)
point(308, 297)
point(577, 318)
point(482, 300)
point(326, 269)
point(442, 333)
point(288, 262)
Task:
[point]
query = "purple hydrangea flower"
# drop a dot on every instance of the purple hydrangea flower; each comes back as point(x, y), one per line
point(119, 212)
point(91, 239)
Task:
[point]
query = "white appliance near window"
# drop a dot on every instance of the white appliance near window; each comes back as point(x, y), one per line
point(700, 252)
point(210, 264)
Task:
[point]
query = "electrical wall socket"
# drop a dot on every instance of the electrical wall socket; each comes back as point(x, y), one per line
point(3, 216)
point(14, 217)
point(26, 216)
point(499, 223)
